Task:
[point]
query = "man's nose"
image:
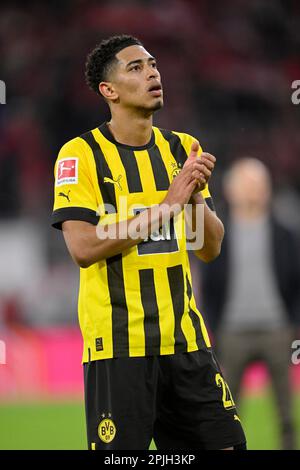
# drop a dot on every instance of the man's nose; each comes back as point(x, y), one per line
point(152, 73)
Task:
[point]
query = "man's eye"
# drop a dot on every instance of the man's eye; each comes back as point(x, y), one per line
point(135, 67)
point(154, 65)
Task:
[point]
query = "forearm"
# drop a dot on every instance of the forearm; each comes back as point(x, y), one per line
point(213, 230)
point(88, 244)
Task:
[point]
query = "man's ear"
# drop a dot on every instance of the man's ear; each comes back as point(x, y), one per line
point(107, 91)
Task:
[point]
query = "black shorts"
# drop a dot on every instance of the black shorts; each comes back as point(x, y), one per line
point(181, 401)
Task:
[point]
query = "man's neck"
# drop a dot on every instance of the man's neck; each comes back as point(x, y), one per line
point(248, 215)
point(135, 131)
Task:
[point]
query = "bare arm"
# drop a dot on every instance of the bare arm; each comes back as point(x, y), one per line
point(213, 227)
point(86, 248)
point(213, 231)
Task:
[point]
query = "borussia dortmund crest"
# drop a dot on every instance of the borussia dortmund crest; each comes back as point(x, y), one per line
point(176, 169)
point(106, 429)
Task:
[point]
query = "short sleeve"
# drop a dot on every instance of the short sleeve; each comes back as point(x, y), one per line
point(75, 196)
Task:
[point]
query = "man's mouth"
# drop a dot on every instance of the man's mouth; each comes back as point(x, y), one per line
point(155, 90)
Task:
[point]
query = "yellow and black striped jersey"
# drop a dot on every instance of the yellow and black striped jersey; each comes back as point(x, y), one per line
point(139, 302)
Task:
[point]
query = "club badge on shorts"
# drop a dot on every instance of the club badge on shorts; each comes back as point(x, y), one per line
point(107, 429)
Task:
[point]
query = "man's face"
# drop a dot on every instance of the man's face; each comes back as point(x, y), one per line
point(249, 187)
point(136, 80)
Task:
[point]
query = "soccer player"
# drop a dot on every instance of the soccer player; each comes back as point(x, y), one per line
point(149, 369)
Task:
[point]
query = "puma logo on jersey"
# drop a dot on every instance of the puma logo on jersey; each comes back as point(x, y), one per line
point(117, 181)
point(65, 195)
point(236, 418)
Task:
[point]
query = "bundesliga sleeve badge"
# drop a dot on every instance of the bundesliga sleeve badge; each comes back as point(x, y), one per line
point(67, 171)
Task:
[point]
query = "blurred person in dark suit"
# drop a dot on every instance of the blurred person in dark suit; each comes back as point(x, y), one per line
point(251, 292)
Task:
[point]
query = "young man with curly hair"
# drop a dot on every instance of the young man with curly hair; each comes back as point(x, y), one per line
point(149, 368)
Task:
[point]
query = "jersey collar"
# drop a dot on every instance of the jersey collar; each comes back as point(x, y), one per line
point(108, 135)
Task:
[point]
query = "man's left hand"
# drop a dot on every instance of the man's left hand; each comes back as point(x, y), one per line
point(203, 172)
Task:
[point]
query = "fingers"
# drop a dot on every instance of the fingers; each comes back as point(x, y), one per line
point(209, 156)
point(196, 171)
point(194, 149)
point(201, 170)
point(194, 186)
point(185, 175)
point(196, 175)
point(193, 176)
point(204, 170)
point(191, 187)
point(208, 160)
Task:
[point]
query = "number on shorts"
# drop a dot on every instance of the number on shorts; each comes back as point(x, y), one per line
point(226, 396)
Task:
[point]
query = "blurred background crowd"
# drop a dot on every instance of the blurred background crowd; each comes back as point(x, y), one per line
point(227, 70)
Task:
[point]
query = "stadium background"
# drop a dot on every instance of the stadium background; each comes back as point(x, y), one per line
point(227, 70)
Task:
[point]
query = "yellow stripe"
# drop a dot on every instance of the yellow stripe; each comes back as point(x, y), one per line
point(93, 446)
point(186, 322)
point(92, 170)
point(202, 324)
point(95, 306)
point(166, 319)
point(146, 174)
point(136, 331)
point(186, 142)
point(113, 159)
point(195, 309)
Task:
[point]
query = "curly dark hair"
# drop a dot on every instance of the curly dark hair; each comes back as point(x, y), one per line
point(100, 60)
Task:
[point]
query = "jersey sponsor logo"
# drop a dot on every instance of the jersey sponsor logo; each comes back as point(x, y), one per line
point(112, 181)
point(107, 430)
point(161, 241)
point(61, 194)
point(67, 171)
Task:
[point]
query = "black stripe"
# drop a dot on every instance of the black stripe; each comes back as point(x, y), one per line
point(195, 319)
point(160, 173)
point(210, 202)
point(176, 282)
point(73, 213)
point(103, 170)
point(176, 147)
point(116, 289)
point(131, 169)
point(151, 315)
